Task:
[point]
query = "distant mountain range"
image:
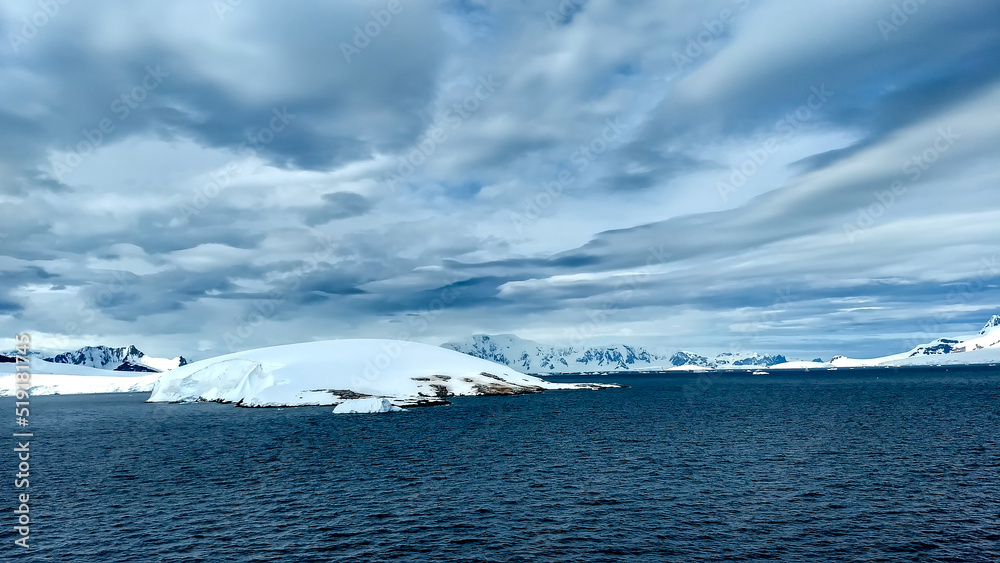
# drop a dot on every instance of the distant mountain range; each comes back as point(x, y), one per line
point(535, 358)
point(532, 357)
point(125, 358)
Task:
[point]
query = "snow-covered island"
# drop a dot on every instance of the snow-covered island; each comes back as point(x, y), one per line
point(333, 372)
point(977, 349)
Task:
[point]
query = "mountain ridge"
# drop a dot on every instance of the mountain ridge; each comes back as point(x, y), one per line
point(123, 358)
point(981, 348)
point(533, 357)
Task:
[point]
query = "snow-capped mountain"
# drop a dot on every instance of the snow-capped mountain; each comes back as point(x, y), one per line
point(31, 353)
point(727, 360)
point(981, 348)
point(100, 357)
point(730, 360)
point(992, 325)
point(125, 358)
point(532, 357)
point(688, 359)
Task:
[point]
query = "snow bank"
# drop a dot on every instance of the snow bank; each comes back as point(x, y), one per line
point(334, 371)
point(58, 384)
point(984, 356)
point(803, 365)
point(358, 406)
point(979, 349)
point(50, 378)
point(689, 367)
point(40, 366)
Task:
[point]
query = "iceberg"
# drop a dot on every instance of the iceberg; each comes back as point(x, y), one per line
point(359, 406)
point(800, 365)
point(689, 367)
point(332, 372)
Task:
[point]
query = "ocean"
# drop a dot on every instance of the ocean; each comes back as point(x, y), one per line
point(869, 465)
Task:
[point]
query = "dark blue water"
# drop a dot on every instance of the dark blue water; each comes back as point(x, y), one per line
point(821, 467)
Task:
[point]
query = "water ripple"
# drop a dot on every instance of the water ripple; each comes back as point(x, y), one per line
point(791, 468)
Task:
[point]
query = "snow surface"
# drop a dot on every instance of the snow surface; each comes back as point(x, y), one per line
point(162, 364)
point(333, 371)
point(688, 367)
point(532, 357)
point(986, 356)
point(803, 365)
point(50, 378)
point(992, 325)
point(54, 384)
point(109, 358)
point(40, 366)
point(359, 406)
point(981, 348)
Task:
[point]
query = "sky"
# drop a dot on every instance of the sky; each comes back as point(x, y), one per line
point(199, 177)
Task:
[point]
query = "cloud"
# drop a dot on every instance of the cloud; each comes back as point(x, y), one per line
point(338, 205)
point(170, 171)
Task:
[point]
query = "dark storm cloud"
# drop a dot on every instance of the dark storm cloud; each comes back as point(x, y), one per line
point(223, 97)
point(877, 84)
point(338, 205)
point(638, 167)
point(9, 307)
point(210, 161)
